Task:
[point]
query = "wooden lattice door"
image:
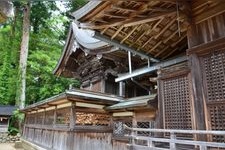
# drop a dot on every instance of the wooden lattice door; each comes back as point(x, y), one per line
point(213, 66)
point(176, 100)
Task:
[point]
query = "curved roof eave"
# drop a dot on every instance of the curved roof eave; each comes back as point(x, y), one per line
point(85, 9)
point(85, 38)
point(63, 55)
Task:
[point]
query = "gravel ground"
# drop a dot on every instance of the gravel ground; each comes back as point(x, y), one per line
point(7, 146)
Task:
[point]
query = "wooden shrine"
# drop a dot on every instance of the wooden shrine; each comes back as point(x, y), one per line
point(145, 64)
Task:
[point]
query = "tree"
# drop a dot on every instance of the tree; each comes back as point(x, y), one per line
point(24, 55)
point(45, 46)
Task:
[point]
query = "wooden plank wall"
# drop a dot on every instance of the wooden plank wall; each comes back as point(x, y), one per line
point(199, 35)
point(206, 31)
point(70, 140)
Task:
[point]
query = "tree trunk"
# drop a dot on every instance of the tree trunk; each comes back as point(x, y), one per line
point(23, 56)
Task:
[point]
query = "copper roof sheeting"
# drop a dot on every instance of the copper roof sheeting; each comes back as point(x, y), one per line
point(132, 103)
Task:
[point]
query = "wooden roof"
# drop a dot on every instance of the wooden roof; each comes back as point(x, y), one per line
point(157, 28)
point(76, 57)
point(75, 95)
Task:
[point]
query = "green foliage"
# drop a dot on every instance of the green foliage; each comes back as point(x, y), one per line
point(40, 12)
point(15, 121)
point(45, 48)
point(8, 64)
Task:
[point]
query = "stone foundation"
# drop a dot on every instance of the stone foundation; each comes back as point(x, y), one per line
point(5, 138)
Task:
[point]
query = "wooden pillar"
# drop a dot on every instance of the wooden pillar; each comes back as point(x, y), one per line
point(72, 116)
point(159, 112)
point(35, 117)
point(55, 116)
point(197, 91)
point(43, 120)
point(194, 39)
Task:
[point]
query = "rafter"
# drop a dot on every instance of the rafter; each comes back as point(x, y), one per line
point(153, 28)
point(153, 48)
point(124, 47)
point(127, 22)
point(117, 32)
point(162, 51)
point(170, 36)
point(129, 34)
point(166, 27)
point(115, 16)
point(104, 30)
point(178, 41)
point(150, 18)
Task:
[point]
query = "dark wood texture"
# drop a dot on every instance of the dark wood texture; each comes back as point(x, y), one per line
point(197, 90)
point(175, 98)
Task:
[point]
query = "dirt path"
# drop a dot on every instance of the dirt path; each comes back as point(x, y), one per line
point(7, 146)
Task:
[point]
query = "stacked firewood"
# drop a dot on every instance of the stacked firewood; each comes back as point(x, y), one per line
point(92, 119)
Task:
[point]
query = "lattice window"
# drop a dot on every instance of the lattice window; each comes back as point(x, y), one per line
point(39, 118)
point(49, 117)
point(63, 116)
point(146, 125)
point(118, 128)
point(177, 104)
point(217, 116)
point(214, 66)
point(91, 119)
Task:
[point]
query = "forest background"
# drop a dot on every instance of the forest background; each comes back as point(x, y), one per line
point(48, 30)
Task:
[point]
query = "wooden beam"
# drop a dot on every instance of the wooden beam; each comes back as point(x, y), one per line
point(162, 9)
point(129, 34)
point(153, 28)
point(123, 8)
point(117, 32)
point(115, 16)
point(148, 19)
point(170, 53)
point(103, 31)
point(154, 47)
point(166, 27)
point(206, 47)
point(120, 114)
point(127, 22)
point(170, 37)
point(88, 105)
point(198, 4)
point(209, 13)
point(163, 50)
point(178, 41)
point(147, 42)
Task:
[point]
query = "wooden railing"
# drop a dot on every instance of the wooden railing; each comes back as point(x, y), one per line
point(172, 141)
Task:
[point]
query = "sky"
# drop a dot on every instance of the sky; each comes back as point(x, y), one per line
point(61, 6)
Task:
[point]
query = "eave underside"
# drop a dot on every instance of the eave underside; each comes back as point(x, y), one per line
point(155, 28)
